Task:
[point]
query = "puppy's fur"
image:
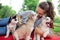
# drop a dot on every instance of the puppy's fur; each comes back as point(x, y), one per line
point(11, 26)
point(24, 31)
point(44, 27)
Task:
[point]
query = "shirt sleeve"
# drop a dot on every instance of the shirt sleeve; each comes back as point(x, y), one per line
point(37, 22)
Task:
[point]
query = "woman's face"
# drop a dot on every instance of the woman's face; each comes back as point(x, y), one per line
point(40, 11)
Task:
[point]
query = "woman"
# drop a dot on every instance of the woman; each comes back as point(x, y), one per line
point(44, 8)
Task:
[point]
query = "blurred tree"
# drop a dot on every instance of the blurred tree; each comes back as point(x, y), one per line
point(30, 4)
point(49, 0)
point(0, 5)
point(6, 11)
point(56, 19)
point(59, 7)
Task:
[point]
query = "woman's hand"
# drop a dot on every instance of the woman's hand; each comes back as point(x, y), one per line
point(38, 31)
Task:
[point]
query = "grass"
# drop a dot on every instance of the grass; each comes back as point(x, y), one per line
point(56, 27)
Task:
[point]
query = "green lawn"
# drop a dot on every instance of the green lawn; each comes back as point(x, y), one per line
point(57, 27)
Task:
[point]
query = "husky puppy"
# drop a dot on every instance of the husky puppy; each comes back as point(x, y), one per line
point(11, 26)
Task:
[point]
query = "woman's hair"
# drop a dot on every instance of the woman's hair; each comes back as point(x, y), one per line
point(48, 7)
point(11, 17)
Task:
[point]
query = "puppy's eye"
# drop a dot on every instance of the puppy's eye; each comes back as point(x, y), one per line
point(47, 19)
point(15, 19)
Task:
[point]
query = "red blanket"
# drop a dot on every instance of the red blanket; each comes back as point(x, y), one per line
point(11, 38)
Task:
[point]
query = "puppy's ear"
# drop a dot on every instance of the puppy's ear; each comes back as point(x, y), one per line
point(19, 20)
point(30, 16)
point(11, 17)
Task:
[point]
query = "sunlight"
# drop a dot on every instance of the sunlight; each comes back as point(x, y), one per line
point(15, 4)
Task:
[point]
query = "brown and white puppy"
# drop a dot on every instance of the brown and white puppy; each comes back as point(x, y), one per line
point(11, 26)
point(24, 31)
point(44, 27)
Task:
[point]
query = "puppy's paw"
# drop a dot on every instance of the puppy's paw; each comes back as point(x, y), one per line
point(28, 38)
point(5, 36)
point(42, 38)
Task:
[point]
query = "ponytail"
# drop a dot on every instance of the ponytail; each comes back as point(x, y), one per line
point(50, 13)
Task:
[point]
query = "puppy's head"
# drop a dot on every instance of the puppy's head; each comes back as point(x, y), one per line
point(13, 19)
point(31, 16)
